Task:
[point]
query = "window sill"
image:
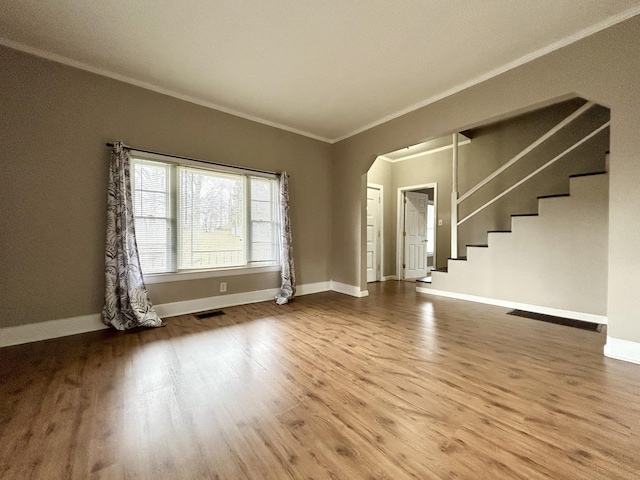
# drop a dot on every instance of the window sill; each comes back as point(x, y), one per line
point(152, 278)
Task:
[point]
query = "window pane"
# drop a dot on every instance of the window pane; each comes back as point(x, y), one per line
point(153, 236)
point(153, 215)
point(212, 210)
point(261, 189)
point(263, 252)
point(150, 204)
point(151, 176)
point(194, 218)
point(262, 232)
point(261, 211)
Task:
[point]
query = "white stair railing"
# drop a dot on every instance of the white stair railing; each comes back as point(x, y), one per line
point(535, 144)
point(455, 201)
point(535, 172)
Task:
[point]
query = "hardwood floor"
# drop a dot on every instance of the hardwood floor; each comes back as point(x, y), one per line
point(398, 385)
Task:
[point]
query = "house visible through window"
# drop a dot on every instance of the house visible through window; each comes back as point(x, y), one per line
point(190, 218)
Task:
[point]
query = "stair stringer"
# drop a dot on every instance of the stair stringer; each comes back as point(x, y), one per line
point(554, 260)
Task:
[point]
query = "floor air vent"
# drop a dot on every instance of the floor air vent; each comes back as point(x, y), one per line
point(208, 314)
point(568, 322)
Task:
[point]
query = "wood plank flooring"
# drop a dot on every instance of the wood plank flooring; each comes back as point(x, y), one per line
point(399, 385)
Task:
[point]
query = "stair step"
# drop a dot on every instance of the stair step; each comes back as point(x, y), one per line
point(587, 174)
point(441, 270)
point(459, 258)
point(499, 231)
point(524, 214)
point(553, 196)
point(483, 245)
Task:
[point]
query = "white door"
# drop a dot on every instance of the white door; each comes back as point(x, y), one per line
point(373, 234)
point(431, 235)
point(415, 235)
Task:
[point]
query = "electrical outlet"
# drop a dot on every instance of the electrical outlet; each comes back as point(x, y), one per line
point(439, 222)
point(223, 286)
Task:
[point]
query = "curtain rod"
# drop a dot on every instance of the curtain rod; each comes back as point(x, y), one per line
point(197, 160)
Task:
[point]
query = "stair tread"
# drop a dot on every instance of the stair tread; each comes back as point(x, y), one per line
point(479, 245)
point(587, 174)
point(441, 270)
point(524, 214)
point(559, 195)
point(459, 258)
point(499, 231)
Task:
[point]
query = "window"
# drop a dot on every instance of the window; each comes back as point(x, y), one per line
point(191, 218)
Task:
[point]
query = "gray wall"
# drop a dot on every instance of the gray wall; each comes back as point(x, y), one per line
point(491, 147)
point(54, 123)
point(597, 68)
point(494, 145)
point(432, 168)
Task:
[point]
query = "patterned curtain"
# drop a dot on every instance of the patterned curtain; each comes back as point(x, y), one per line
point(127, 303)
point(288, 272)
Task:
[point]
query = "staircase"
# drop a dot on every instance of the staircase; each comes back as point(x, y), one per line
point(553, 262)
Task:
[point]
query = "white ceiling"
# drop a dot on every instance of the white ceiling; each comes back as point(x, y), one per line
point(324, 68)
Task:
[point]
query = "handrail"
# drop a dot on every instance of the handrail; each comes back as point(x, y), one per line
point(534, 173)
point(544, 137)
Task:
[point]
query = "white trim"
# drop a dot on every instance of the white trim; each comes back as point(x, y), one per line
point(312, 288)
point(556, 312)
point(400, 223)
point(351, 290)
point(218, 301)
point(34, 332)
point(389, 277)
point(535, 172)
point(426, 152)
point(608, 22)
point(154, 88)
point(624, 350)
point(151, 279)
point(379, 187)
point(539, 141)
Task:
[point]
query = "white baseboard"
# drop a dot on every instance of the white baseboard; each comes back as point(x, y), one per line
point(34, 332)
point(210, 303)
point(556, 312)
point(622, 350)
point(351, 290)
point(311, 288)
point(389, 277)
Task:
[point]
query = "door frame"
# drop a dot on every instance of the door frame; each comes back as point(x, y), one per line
point(400, 224)
point(380, 188)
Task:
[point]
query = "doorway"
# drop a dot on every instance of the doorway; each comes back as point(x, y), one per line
point(417, 218)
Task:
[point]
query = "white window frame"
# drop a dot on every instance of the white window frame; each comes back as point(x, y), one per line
point(153, 278)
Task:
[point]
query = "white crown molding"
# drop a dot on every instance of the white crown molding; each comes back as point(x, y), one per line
point(422, 154)
point(556, 312)
point(609, 22)
point(613, 20)
point(150, 86)
point(62, 327)
point(624, 350)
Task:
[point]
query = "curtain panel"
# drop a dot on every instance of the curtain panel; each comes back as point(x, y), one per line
point(127, 303)
point(288, 272)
